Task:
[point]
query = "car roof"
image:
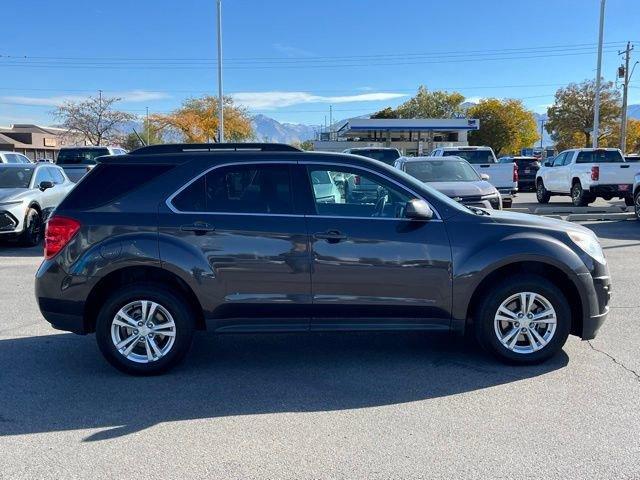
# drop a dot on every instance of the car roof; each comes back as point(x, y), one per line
point(468, 147)
point(87, 147)
point(451, 158)
point(372, 148)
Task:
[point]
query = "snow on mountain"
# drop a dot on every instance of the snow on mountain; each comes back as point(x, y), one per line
point(268, 129)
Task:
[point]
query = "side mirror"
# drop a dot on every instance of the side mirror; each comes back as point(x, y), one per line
point(484, 176)
point(417, 209)
point(548, 163)
point(45, 184)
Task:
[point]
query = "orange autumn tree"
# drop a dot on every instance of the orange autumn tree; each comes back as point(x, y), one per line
point(196, 121)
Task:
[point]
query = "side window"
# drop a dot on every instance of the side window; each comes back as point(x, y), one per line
point(345, 192)
point(239, 189)
point(567, 158)
point(42, 175)
point(559, 160)
point(22, 158)
point(57, 176)
point(12, 158)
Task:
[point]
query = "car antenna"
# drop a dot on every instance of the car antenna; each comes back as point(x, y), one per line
point(144, 144)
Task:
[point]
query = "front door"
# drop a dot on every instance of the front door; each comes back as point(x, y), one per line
point(248, 249)
point(371, 267)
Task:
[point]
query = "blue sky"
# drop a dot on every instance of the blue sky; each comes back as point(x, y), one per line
point(292, 59)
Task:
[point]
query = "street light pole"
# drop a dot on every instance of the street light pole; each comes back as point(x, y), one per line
point(625, 93)
point(220, 99)
point(596, 109)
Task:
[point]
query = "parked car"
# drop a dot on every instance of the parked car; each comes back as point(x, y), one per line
point(585, 174)
point(77, 161)
point(382, 154)
point(13, 157)
point(504, 176)
point(454, 177)
point(636, 195)
point(153, 245)
point(527, 169)
point(28, 194)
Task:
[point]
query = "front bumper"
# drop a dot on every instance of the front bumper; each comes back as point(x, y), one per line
point(596, 296)
point(11, 219)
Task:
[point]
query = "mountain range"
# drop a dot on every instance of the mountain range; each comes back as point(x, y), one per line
point(268, 129)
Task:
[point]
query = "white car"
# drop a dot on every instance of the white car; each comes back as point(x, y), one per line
point(13, 157)
point(28, 194)
point(585, 174)
point(503, 176)
point(636, 194)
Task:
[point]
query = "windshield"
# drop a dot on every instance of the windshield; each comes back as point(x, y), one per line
point(15, 177)
point(385, 156)
point(471, 156)
point(600, 156)
point(442, 171)
point(80, 156)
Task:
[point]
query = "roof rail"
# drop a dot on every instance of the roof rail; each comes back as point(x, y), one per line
point(213, 147)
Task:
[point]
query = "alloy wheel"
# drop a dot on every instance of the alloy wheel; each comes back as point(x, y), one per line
point(637, 206)
point(525, 322)
point(143, 331)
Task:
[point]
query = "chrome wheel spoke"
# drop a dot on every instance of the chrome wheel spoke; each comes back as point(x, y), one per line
point(505, 311)
point(131, 346)
point(152, 311)
point(131, 321)
point(538, 338)
point(532, 341)
point(154, 346)
point(126, 342)
point(148, 350)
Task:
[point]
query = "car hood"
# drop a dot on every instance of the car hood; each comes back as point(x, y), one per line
point(8, 194)
point(535, 221)
point(463, 189)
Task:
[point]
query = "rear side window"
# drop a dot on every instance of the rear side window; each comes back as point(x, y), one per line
point(107, 183)
point(600, 156)
point(239, 189)
point(385, 156)
point(80, 156)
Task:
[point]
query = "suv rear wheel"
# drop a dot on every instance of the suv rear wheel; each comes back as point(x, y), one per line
point(144, 329)
point(524, 320)
point(637, 204)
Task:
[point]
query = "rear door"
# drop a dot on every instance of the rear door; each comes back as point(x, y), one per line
point(252, 247)
point(552, 175)
point(371, 267)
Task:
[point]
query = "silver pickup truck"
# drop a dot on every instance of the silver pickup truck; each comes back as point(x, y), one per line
point(503, 176)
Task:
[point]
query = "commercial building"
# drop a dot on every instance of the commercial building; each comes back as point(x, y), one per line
point(410, 136)
point(32, 140)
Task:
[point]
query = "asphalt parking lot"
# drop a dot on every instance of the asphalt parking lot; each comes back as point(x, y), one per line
point(322, 406)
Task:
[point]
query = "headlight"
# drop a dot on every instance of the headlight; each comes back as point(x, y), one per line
point(13, 202)
point(589, 244)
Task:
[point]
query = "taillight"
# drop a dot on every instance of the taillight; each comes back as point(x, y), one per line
point(58, 232)
point(515, 172)
point(595, 173)
point(356, 179)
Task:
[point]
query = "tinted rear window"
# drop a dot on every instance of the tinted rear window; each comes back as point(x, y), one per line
point(80, 156)
point(632, 159)
point(385, 156)
point(107, 183)
point(600, 156)
point(471, 156)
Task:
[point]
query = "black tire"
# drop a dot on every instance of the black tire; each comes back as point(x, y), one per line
point(542, 194)
point(493, 298)
point(579, 197)
point(32, 233)
point(172, 302)
point(637, 204)
point(628, 201)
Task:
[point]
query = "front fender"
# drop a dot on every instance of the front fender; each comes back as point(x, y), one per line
point(470, 271)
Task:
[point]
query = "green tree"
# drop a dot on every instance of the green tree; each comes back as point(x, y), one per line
point(571, 115)
point(196, 121)
point(386, 113)
point(148, 133)
point(505, 125)
point(426, 104)
point(307, 145)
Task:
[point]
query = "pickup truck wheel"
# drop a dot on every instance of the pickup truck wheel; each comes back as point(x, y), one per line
point(542, 194)
point(579, 197)
point(523, 320)
point(144, 329)
point(32, 231)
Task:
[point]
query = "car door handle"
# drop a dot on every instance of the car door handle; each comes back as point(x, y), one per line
point(625, 166)
point(485, 166)
point(199, 228)
point(331, 236)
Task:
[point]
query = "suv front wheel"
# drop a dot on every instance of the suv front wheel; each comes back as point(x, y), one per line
point(637, 204)
point(144, 329)
point(524, 320)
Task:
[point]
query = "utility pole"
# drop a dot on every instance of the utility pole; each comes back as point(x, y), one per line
point(596, 110)
point(220, 100)
point(623, 126)
point(541, 132)
point(330, 122)
point(148, 128)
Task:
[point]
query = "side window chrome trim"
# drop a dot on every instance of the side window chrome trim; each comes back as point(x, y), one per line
point(171, 207)
point(404, 187)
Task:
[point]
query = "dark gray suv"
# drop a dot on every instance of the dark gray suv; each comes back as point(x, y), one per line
point(170, 239)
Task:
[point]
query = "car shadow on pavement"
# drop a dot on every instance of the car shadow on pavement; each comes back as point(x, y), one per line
point(11, 249)
point(60, 382)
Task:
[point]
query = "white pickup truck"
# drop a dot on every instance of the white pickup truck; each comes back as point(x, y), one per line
point(586, 174)
point(503, 176)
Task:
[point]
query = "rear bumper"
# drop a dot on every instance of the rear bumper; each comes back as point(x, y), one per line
point(621, 190)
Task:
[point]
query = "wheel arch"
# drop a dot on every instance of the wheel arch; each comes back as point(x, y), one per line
point(138, 274)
